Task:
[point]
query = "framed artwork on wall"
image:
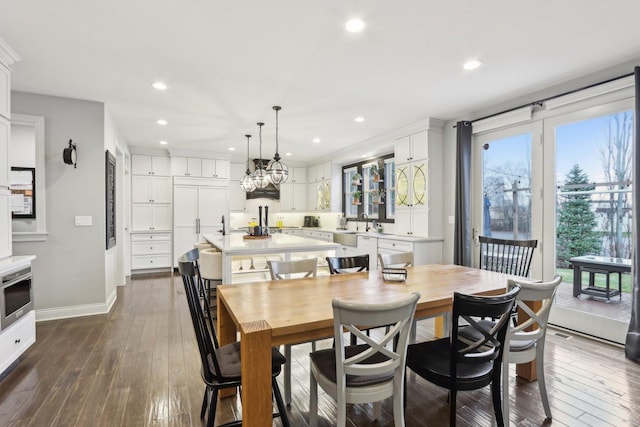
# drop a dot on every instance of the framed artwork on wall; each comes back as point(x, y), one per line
point(23, 192)
point(110, 198)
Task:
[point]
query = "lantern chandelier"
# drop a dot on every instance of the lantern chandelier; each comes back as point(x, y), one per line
point(277, 170)
point(260, 177)
point(246, 183)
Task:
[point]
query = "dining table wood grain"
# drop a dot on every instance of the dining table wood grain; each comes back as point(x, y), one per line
point(272, 313)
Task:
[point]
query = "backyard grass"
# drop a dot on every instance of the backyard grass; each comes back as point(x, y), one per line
point(600, 279)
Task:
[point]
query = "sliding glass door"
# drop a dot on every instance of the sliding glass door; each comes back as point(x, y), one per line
point(587, 213)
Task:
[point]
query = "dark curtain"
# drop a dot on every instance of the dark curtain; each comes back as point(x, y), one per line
point(632, 347)
point(462, 238)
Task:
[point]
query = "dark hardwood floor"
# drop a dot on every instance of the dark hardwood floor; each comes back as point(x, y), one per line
point(139, 366)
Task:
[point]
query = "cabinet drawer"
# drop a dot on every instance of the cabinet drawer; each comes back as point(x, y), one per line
point(150, 237)
point(154, 247)
point(150, 261)
point(396, 245)
point(16, 339)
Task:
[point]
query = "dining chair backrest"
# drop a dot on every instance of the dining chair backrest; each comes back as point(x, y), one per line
point(351, 264)
point(399, 259)
point(204, 331)
point(489, 344)
point(506, 256)
point(280, 270)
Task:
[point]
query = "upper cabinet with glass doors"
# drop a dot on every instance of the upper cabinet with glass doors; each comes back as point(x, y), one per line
point(411, 154)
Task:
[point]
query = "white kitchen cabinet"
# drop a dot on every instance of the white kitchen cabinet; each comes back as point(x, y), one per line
point(412, 147)
point(150, 217)
point(319, 196)
point(150, 189)
point(215, 168)
point(5, 166)
point(150, 250)
point(5, 223)
point(237, 196)
point(150, 165)
point(424, 251)
point(16, 339)
point(293, 196)
point(369, 245)
point(186, 166)
point(325, 236)
point(412, 207)
point(198, 209)
point(319, 172)
point(297, 175)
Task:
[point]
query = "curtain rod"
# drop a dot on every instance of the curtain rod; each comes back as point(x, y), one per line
point(541, 101)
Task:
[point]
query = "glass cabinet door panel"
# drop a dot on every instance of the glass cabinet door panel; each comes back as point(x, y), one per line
point(419, 185)
point(402, 185)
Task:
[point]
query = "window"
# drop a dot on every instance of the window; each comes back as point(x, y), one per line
point(369, 188)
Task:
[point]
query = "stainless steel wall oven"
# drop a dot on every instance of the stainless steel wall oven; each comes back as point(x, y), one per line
point(16, 296)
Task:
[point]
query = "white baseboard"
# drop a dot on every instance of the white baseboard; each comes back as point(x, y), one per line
point(76, 310)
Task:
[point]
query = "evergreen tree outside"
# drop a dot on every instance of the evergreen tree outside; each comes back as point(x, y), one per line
point(577, 223)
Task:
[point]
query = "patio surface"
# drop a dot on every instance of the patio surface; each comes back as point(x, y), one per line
point(616, 308)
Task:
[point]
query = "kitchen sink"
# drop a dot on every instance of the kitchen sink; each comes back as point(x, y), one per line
point(347, 238)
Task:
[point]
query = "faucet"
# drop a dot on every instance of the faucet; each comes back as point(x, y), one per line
point(366, 223)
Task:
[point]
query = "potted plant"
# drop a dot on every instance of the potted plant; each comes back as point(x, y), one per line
point(356, 179)
point(375, 197)
point(375, 173)
point(356, 197)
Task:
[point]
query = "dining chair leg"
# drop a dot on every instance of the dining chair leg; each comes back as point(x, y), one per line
point(313, 400)
point(205, 399)
point(282, 409)
point(398, 399)
point(505, 389)
point(452, 407)
point(287, 374)
point(541, 381)
point(211, 418)
point(377, 410)
point(495, 393)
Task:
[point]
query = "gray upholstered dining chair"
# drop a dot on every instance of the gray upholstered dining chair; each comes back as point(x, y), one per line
point(368, 372)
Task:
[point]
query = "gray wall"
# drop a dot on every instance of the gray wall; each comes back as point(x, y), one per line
point(70, 265)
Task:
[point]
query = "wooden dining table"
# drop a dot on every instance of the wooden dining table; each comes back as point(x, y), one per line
point(271, 313)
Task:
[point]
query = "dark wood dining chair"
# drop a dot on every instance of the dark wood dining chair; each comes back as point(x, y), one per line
point(220, 364)
point(460, 365)
point(349, 264)
point(506, 256)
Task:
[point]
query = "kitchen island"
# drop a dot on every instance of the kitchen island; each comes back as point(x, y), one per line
point(282, 245)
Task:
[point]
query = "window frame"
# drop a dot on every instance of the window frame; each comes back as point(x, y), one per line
point(382, 216)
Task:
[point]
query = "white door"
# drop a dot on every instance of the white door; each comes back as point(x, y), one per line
point(506, 194)
point(588, 213)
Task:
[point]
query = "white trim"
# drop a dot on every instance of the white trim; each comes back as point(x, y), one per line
point(589, 324)
point(76, 310)
point(19, 237)
point(592, 92)
point(40, 234)
point(506, 119)
point(7, 55)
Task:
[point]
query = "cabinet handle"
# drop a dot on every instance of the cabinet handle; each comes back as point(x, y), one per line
point(17, 341)
point(150, 261)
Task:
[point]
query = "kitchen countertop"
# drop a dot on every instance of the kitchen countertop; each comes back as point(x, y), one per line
point(234, 244)
point(371, 234)
point(15, 262)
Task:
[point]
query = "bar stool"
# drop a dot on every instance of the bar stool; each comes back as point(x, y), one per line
point(202, 245)
point(211, 269)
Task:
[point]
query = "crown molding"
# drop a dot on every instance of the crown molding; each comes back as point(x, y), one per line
point(8, 56)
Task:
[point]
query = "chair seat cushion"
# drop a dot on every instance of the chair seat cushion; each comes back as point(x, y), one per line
point(325, 361)
point(431, 360)
point(229, 361)
point(470, 333)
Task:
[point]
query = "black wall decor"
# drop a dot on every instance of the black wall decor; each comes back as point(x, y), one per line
point(110, 198)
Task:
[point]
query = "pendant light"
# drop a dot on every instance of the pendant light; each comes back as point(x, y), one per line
point(246, 183)
point(277, 171)
point(260, 177)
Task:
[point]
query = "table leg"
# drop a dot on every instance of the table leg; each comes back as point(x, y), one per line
point(255, 355)
point(577, 280)
point(227, 333)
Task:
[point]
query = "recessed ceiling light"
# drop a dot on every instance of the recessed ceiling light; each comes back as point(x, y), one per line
point(159, 85)
point(287, 154)
point(316, 140)
point(162, 122)
point(472, 64)
point(232, 148)
point(359, 119)
point(354, 25)
point(163, 142)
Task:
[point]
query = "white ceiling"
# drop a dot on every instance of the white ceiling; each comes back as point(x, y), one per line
point(228, 62)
